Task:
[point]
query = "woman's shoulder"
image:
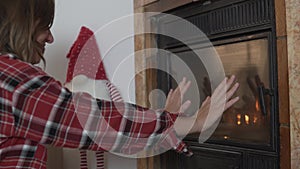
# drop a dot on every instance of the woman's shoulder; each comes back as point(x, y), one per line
point(11, 65)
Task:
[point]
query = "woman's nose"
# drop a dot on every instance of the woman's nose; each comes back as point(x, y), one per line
point(50, 37)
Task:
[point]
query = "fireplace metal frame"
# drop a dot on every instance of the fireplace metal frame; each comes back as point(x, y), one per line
point(228, 22)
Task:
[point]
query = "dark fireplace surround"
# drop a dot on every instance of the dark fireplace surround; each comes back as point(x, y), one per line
point(244, 139)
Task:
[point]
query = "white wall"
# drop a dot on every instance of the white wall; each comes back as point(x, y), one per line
point(70, 16)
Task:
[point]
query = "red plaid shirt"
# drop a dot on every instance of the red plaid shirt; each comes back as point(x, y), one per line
point(36, 110)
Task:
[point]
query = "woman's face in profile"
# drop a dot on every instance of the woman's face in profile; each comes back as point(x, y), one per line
point(43, 38)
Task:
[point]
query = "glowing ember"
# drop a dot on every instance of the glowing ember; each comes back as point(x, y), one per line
point(238, 117)
point(255, 119)
point(247, 119)
point(226, 137)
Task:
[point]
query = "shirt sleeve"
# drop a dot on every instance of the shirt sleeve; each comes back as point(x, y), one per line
point(46, 112)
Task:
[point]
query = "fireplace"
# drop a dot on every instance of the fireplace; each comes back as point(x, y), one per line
point(243, 34)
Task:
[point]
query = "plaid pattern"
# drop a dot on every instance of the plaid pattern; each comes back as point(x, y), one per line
point(35, 109)
point(116, 97)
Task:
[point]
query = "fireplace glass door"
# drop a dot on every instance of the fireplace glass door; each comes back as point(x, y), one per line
point(248, 121)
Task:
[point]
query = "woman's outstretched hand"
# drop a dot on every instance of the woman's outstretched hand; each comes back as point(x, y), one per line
point(174, 98)
point(211, 109)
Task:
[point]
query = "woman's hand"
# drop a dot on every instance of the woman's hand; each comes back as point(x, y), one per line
point(174, 98)
point(211, 109)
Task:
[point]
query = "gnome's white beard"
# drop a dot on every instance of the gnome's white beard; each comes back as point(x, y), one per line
point(96, 88)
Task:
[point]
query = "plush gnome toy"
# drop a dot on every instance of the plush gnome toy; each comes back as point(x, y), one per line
point(86, 73)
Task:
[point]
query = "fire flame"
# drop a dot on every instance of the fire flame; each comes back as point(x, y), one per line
point(247, 119)
point(238, 117)
point(257, 106)
point(255, 119)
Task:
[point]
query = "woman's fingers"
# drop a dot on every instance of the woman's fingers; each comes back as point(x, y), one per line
point(231, 102)
point(174, 98)
point(229, 82)
point(185, 106)
point(225, 90)
point(170, 94)
point(182, 87)
point(185, 86)
point(232, 91)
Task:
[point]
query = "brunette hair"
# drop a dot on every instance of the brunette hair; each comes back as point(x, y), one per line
point(20, 23)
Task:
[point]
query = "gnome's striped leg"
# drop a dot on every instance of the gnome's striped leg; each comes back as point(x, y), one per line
point(114, 92)
point(83, 159)
point(100, 159)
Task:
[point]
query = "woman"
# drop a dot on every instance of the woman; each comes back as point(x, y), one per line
point(36, 110)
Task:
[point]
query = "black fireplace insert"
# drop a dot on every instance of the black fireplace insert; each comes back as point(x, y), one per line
point(243, 34)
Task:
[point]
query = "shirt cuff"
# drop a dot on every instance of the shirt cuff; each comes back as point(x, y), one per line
point(173, 116)
point(182, 148)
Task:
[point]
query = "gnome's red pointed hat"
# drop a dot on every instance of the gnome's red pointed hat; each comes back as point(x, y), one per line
point(85, 58)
